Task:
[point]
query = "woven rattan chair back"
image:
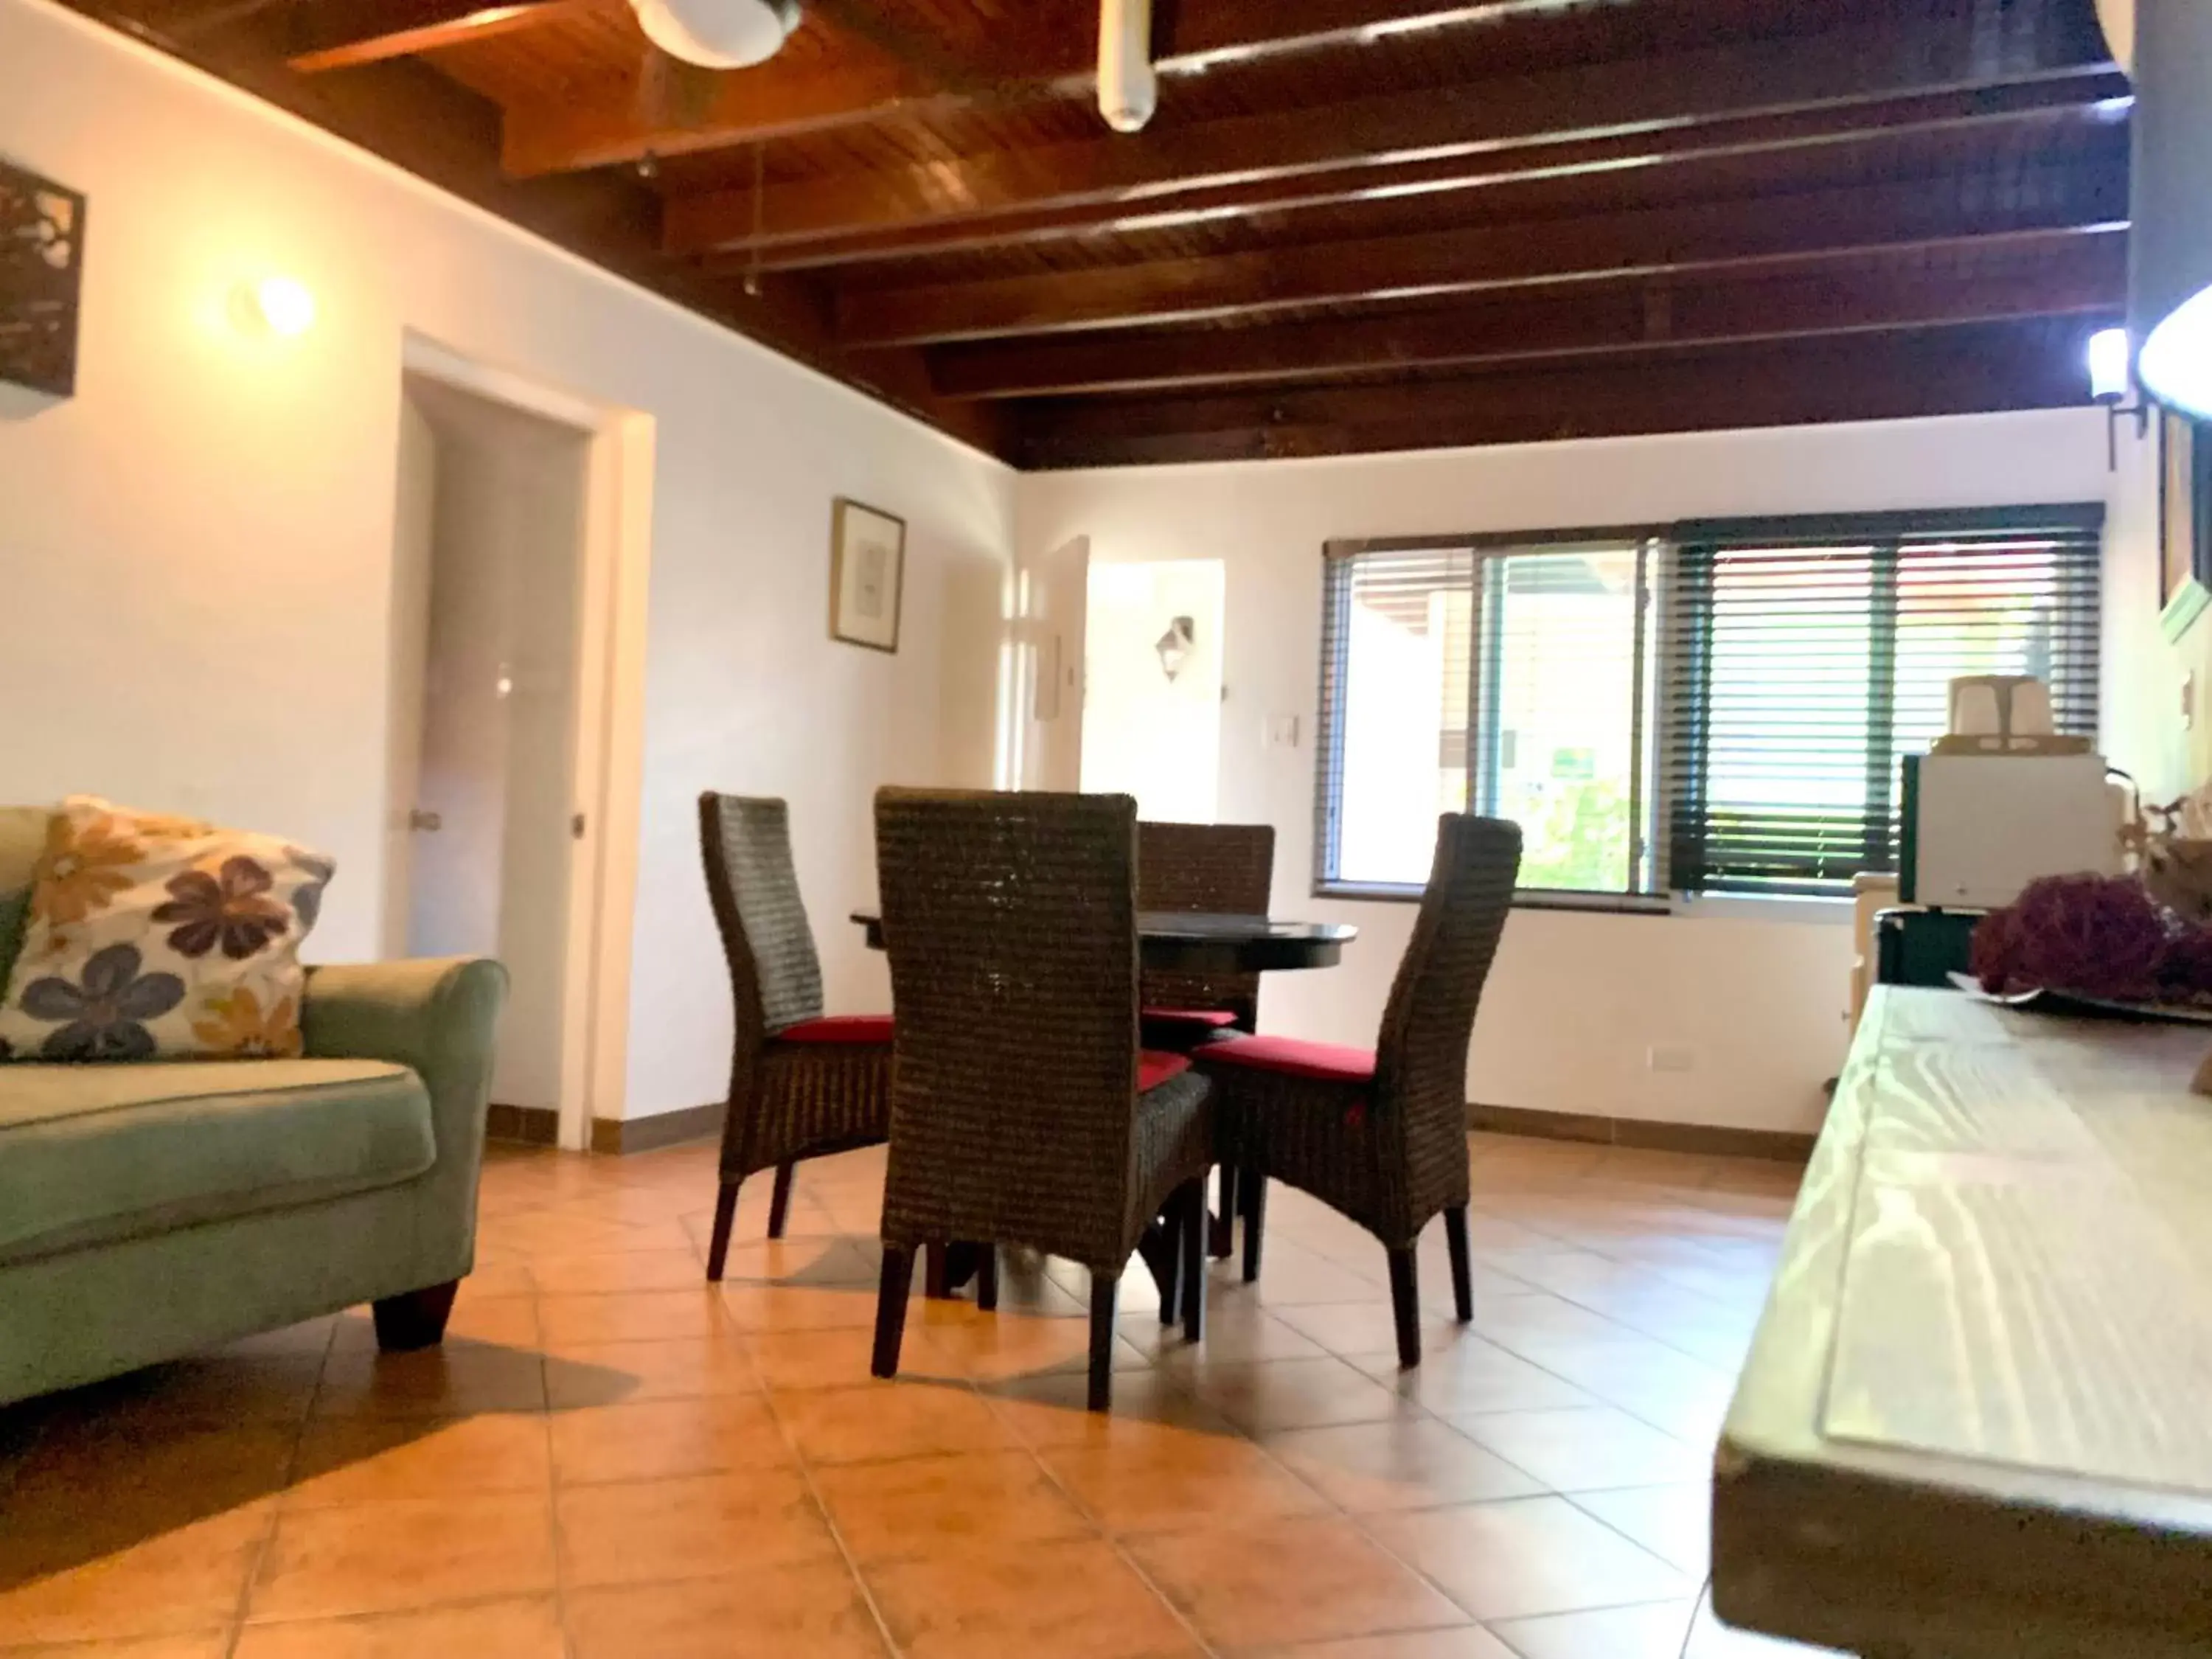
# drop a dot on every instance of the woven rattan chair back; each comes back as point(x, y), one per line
point(1421, 1055)
point(775, 978)
point(1011, 924)
point(1221, 869)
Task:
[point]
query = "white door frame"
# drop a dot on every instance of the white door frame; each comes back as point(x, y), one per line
point(608, 738)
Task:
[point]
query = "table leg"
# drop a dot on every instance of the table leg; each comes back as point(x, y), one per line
point(950, 1267)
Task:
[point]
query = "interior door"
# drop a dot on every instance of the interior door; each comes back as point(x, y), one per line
point(1053, 594)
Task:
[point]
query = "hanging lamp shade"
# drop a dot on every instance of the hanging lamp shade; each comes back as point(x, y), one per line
point(718, 34)
point(2169, 234)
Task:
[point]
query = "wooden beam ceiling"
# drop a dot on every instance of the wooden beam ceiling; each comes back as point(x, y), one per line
point(1028, 55)
point(1353, 225)
point(336, 34)
point(1705, 237)
point(1643, 100)
point(2084, 275)
point(2031, 365)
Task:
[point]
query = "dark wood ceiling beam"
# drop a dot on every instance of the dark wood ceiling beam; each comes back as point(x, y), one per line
point(1038, 55)
point(1970, 370)
point(2087, 274)
point(336, 34)
point(1647, 100)
point(2086, 101)
point(1714, 237)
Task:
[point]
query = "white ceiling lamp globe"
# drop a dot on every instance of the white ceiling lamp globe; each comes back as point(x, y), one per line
point(718, 34)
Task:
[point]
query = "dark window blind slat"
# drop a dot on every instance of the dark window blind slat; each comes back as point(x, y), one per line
point(1798, 673)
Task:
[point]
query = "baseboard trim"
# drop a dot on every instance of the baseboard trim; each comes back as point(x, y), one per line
point(533, 1125)
point(648, 1135)
point(1709, 1140)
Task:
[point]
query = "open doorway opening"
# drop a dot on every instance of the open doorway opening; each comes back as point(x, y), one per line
point(493, 501)
point(1152, 709)
point(520, 543)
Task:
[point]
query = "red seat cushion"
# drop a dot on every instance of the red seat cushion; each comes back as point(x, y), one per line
point(1154, 1068)
point(839, 1028)
point(1212, 1018)
point(1325, 1062)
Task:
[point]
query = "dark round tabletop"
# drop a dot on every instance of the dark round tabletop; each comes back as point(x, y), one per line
point(1195, 944)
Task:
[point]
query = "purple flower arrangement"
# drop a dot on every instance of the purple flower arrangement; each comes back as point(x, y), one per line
point(2098, 936)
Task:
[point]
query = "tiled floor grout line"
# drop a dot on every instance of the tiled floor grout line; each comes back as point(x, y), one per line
point(292, 1463)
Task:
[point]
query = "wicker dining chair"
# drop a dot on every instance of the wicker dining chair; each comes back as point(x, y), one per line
point(1220, 869)
point(1023, 1111)
point(1380, 1134)
point(800, 1085)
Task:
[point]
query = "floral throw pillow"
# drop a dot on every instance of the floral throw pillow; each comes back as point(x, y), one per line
point(153, 937)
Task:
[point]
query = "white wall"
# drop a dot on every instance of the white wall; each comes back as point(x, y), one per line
point(1756, 991)
point(1144, 734)
point(198, 548)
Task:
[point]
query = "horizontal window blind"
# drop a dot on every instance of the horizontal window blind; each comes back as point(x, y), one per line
point(1801, 659)
point(1396, 644)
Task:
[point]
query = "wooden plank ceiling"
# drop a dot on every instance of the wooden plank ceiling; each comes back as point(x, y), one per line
point(1353, 225)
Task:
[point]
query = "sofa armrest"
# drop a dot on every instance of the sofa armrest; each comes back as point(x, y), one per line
point(438, 1017)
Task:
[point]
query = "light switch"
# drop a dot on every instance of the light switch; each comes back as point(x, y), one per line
point(2189, 700)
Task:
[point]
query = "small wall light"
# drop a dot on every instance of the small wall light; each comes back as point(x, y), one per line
point(1174, 647)
point(2110, 380)
point(276, 305)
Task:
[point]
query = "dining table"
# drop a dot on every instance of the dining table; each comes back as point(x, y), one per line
point(1180, 942)
point(1195, 942)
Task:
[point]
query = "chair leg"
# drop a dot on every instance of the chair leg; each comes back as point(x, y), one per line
point(1103, 1294)
point(1171, 1270)
point(1194, 1242)
point(1255, 1221)
point(1463, 1268)
point(1225, 1229)
point(890, 1309)
point(726, 1211)
point(416, 1320)
point(986, 1278)
point(1406, 1307)
point(937, 1272)
point(779, 1203)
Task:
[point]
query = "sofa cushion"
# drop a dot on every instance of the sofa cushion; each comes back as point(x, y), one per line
point(22, 838)
point(93, 1154)
point(156, 936)
point(1324, 1062)
point(839, 1028)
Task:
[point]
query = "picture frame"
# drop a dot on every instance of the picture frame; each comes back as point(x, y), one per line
point(867, 575)
point(2184, 538)
point(41, 280)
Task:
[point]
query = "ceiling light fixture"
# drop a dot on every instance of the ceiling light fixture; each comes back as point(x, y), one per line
point(722, 34)
point(1128, 91)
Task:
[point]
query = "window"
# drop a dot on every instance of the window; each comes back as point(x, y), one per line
point(1718, 707)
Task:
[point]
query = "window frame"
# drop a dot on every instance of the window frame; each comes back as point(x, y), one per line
point(1657, 681)
point(1646, 849)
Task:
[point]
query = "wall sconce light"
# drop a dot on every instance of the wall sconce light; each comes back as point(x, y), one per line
point(275, 305)
point(1174, 647)
point(2109, 382)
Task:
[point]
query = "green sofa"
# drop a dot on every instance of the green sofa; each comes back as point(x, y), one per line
point(147, 1211)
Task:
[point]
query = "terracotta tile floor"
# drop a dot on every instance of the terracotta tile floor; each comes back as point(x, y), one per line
point(609, 1458)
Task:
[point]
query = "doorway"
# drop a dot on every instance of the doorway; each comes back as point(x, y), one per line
point(514, 718)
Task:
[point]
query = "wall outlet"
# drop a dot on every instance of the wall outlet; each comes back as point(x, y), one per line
point(1671, 1057)
point(1280, 731)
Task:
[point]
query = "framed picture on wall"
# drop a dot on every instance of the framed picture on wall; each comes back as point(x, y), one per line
point(41, 271)
point(2184, 537)
point(868, 575)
